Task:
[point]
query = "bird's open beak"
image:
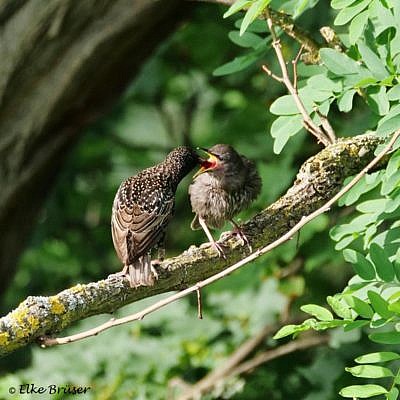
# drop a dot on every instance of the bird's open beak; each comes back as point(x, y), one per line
point(206, 164)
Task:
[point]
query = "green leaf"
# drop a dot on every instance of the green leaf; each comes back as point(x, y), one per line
point(370, 371)
point(345, 101)
point(345, 242)
point(338, 63)
point(366, 184)
point(323, 325)
point(257, 26)
point(338, 4)
point(382, 264)
point(283, 128)
point(377, 100)
point(285, 105)
point(348, 13)
point(361, 265)
point(362, 391)
point(388, 126)
point(393, 164)
point(372, 206)
point(339, 307)
point(392, 205)
point(373, 62)
point(361, 307)
point(357, 26)
point(393, 394)
point(379, 304)
point(237, 6)
point(252, 13)
point(394, 93)
point(247, 40)
point(390, 183)
point(359, 323)
point(385, 337)
point(377, 357)
point(289, 330)
point(237, 64)
point(323, 83)
point(395, 307)
point(318, 312)
point(396, 266)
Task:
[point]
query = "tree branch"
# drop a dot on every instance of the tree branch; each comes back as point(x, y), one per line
point(318, 180)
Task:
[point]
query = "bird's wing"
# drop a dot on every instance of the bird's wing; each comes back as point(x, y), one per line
point(135, 231)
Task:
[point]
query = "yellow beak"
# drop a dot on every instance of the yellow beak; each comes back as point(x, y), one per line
point(208, 164)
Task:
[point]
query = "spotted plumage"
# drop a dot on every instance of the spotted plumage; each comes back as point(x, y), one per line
point(225, 185)
point(142, 209)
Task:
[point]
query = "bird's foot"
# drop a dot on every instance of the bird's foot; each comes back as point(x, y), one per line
point(237, 231)
point(219, 247)
point(153, 270)
point(124, 272)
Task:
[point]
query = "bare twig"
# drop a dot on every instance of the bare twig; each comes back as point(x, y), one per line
point(46, 341)
point(199, 305)
point(280, 351)
point(326, 125)
point(235, 366)
point(294, 64)
point(315, 130)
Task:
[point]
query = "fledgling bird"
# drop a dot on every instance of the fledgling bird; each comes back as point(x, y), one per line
point(142, 209)
point(225, 185)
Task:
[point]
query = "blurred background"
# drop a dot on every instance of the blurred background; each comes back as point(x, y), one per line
point(174, 99)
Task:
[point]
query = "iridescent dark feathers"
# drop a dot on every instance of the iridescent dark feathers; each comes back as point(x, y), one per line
point(142, 209)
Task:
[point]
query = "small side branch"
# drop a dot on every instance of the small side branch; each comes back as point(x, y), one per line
point(323, 133)
point(235, 366)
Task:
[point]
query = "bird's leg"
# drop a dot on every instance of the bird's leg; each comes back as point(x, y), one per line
point(152, 269)
point(123, 272)
point(237, 230)
point(160, 252)
point(214, 244)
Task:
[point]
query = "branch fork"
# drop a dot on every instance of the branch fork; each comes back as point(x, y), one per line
point(324, 133)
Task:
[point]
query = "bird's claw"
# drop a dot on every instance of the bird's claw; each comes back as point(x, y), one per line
point(242, 237)
point(219, 248)
point(152, 267)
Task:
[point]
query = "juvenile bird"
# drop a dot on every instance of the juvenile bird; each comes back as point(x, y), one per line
point(225, 185)
point(142, 209)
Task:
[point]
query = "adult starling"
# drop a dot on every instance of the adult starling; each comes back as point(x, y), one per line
point(142, 209)
point(225, 185)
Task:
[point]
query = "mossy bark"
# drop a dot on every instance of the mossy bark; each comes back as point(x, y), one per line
point(318, 180)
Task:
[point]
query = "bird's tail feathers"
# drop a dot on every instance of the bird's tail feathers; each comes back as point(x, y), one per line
point(195, 225)
point(140, 272)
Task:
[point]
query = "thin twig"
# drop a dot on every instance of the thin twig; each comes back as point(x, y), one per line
point(47, 341)
point(292, 88)
point(294, 64)
point(280, 351)
point(326, 125)
point(271, 74)
point(199, 305)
